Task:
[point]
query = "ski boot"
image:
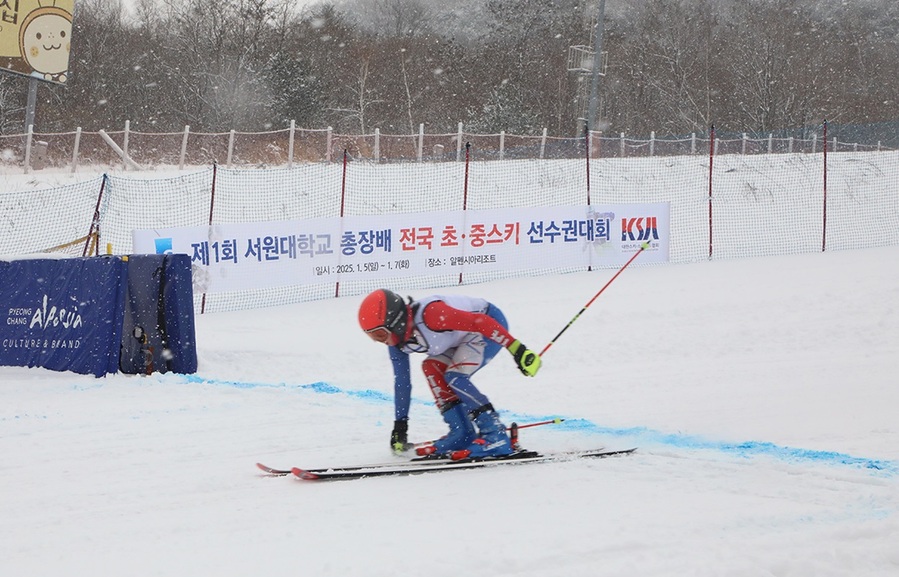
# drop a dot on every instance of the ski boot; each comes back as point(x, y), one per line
point(460, 436)
point(492, 439)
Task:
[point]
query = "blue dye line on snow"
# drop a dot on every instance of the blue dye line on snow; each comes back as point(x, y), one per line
point(637, 435)
point(746, 449)
point(319, 387)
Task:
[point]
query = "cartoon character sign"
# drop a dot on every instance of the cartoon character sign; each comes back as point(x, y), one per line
point(45, 40)
point(36, 37)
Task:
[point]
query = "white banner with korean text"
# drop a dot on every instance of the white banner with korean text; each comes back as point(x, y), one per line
point(232, 257)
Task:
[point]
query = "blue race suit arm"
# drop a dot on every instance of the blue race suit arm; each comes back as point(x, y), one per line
point(402, 383)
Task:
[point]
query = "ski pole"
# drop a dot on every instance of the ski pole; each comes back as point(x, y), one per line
point(513, 430)
point(643, 247)
point(527, 425)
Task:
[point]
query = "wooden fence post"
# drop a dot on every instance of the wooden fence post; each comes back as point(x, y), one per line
point(184, 146)
point(230, 147)
point(328, 143)
point(421, 140)
point(75, 149)
point(377, 151)
point(125, 141)
point(290, 143)
point(28, 138)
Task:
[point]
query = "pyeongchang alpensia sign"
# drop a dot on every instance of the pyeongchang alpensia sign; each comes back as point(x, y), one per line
point(241, 256)
point(62, 314)
point(98, 315)
point(36, 38)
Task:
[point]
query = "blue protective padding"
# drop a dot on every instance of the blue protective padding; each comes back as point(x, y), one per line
point(178, 297)
point(160, 302)
point(62, 314)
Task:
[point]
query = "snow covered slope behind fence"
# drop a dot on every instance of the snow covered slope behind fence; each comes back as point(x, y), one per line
point(741, 206)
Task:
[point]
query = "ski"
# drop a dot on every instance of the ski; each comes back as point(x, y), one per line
point(273, 472)
point(404, 463)
point(416, 467)
point(415, 461)
point(513, 433)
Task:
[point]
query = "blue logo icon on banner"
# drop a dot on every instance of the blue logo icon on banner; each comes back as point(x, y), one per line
point(163, 246)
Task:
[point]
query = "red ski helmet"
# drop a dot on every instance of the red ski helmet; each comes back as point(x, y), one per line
point(383, 315)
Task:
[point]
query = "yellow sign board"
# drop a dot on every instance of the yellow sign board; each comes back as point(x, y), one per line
point(36, 38)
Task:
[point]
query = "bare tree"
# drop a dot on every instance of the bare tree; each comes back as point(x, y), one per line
point(393, 18)
point(362, 97)
point(675, 66)
point(12, 105)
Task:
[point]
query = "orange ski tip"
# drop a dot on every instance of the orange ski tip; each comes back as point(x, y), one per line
point(305, 475)
point(271, 471)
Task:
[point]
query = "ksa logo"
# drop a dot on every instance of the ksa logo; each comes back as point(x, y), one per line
point(641, 228)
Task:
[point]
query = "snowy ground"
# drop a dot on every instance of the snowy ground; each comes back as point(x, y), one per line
point(762, 394)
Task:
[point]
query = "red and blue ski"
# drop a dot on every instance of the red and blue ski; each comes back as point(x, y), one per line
point(434, 465)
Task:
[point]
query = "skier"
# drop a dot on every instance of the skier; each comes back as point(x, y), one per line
point(460, 335)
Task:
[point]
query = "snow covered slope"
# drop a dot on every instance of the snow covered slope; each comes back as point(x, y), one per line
point(763, 394)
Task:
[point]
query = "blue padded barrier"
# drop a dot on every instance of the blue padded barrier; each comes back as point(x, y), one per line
point(64, 314)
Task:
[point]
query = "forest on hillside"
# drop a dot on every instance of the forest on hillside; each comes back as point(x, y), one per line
point(671, 66)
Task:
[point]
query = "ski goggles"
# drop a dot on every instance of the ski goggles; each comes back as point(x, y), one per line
point(382, 335)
